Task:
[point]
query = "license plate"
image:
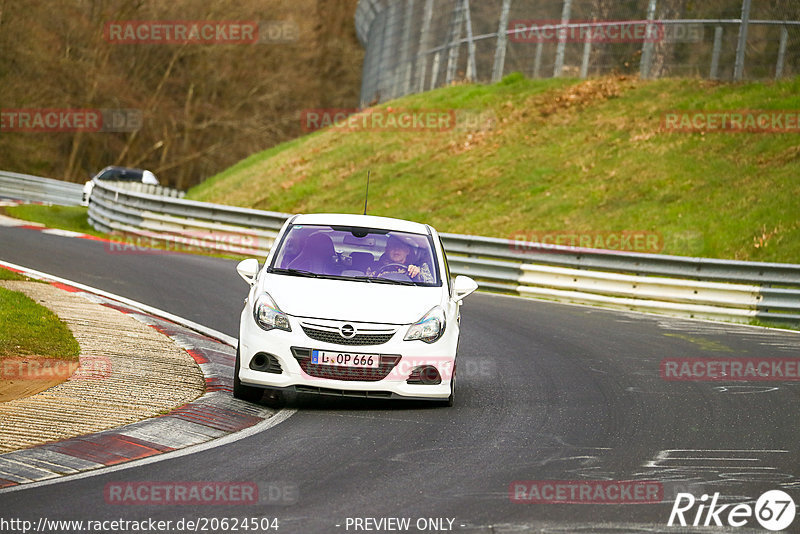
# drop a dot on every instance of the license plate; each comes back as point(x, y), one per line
point(345, 359)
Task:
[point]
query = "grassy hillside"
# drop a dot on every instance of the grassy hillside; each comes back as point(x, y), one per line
point(564, 156)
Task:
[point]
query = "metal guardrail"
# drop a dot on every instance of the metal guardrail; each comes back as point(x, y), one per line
point(152, 189)
point(673, 285)
point(38, 189)
point(183, 223)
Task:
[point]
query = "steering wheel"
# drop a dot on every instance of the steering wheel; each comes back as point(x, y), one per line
point(393, 265)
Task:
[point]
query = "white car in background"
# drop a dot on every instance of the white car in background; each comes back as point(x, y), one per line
point(118, 174)
point(354, 306)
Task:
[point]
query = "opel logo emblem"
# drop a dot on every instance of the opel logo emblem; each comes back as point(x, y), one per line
point(347, 331)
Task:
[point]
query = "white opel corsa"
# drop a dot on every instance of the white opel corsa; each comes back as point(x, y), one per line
point(351, 305)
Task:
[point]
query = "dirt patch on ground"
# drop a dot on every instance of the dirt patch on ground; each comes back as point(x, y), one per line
point(585, 94)
point(25, 376)
point(541, 106)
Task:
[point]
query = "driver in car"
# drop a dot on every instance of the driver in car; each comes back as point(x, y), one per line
point(397, 255)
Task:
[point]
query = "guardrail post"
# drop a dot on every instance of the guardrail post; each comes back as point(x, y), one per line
point(502, 41)
point(714, 74)
point(781, 53)
point(738, 69)
point(566, 11)
point(647, 47)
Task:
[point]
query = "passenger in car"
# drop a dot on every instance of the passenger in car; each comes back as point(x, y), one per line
point(294, 245)
point(317, 255)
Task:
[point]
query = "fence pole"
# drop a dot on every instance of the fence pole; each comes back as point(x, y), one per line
point(587, 50)
point(393, 33)
point(738, 68)
point(502, 39)
point(437, 59)
point(537, 62)
point(424, 40)
point(454, 42)
point(781, 53)
point(714, 74)
point(383, 56)
point(566, 10)
point(472, 71)
point(647, 47)
point(405, 62)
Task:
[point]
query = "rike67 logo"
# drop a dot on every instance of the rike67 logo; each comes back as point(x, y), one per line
point(774, 510)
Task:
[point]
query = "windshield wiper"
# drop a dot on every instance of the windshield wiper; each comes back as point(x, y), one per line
point(385, 280)
point(293, 272)
point(309, 274)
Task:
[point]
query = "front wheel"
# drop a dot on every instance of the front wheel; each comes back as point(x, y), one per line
point(274, 399)
point(240, 391)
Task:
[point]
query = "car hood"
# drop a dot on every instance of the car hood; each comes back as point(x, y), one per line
point(344, 300)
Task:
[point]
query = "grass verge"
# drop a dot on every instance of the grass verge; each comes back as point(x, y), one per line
point(28, 328)
point(72, 218)
point(5, 274)
point(565, 157)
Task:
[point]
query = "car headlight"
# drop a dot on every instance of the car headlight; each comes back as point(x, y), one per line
point(268, 316)
point(429, 328)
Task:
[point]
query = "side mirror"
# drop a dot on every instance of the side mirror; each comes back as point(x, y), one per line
point(462, 287)
point(248, 269)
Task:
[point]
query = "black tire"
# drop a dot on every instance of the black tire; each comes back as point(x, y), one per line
point(240, 391)
point(274, 398)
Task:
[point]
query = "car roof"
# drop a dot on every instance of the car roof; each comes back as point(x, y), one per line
point(363, 221)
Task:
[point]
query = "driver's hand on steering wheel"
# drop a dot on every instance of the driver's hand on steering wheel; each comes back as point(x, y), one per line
point(413, 271)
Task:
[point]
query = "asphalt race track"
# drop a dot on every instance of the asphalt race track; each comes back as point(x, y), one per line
point(546, 392)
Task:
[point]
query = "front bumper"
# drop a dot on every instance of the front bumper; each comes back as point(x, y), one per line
point(292, 350)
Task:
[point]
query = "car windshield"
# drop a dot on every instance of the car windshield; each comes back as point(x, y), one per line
point(121, 175)
point(358, 254)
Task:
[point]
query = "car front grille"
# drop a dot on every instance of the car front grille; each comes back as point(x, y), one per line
point(336, 372)
point(332, 335)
